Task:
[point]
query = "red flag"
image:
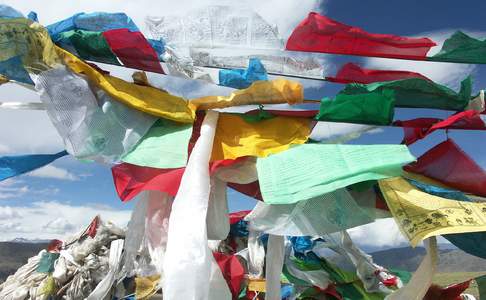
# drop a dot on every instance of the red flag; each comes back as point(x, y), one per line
point(321, 34)
point(418, 129)
point(454, 291)
point(350, 73)
point(250, 189)
point(235, 217)
point(133, 50)
point(132, 179)
point(93, 227)
point(449, 164)
point(233, 271)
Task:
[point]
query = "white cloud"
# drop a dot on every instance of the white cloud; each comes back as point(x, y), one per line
point(4, 149)
point(449, 74)
point(7, 213)
point(59, 225)
point(12, 188)
point(381, 233)
point(10, 226)
point(48, 220)
point(51, 171)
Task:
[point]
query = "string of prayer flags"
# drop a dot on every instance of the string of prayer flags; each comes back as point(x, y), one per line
point(417, 93)
point(241, 78)
point(353, 73)
point(144, 98)
point(418, 129)
point(259, 92)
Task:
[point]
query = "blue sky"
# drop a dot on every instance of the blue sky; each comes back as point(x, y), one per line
point(68, 193)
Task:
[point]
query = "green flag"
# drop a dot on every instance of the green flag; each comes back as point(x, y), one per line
point(481, 281)
point(372, 108)
point(164, 146)
point(416, 93)
point(463, 49)
point(310, 170)
point(88, 45)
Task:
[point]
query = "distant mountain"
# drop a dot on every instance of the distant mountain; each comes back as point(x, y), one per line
point(13, 255)
point(29, 241)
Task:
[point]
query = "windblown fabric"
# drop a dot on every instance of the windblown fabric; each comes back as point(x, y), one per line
point(331, 212)
point(420, 215)
point(13, 69)
point(236, 137)
point(418, 129)
point(130, 179)
point(91, 126)
point(451, 292)
point(259, 92)
point(319, 33)
point(463, 49)
point(233, 272)
point(481, 281)
point(241, 78)
point(298, 173)
point(216, 26)
point(421, 280)
point(353, 73)
point(88, 45)
point(164, 146)
point(133, 50)
point(30, 41)
point(473, 243)
point(96, 22)
point(189, 263)
point(464, 174)
point(417, 93)
point(11, 166)
point(275, 61)
point(439, 191)
point(372, 108)
point(143, 98)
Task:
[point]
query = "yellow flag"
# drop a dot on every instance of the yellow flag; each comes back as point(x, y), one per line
point(144, 98)
point(260, 92)
point(420, 215)
point(236, 137)
point(29, 40)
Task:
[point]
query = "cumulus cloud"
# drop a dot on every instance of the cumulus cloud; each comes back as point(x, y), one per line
point(51, 171)
point(7, 213)
point(10, 226)
point(53, 219)
point(12, 188)
point(59, 225)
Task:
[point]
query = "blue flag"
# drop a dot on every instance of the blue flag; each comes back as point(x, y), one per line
point(11, 166)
